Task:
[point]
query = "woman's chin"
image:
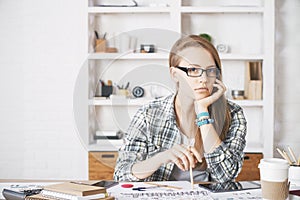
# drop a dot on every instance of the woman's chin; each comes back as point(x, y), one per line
point(201, 95)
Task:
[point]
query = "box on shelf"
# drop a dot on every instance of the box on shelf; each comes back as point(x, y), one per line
point(253, 80)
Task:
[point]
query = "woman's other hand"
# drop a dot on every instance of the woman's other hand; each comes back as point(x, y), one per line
point(183, 156)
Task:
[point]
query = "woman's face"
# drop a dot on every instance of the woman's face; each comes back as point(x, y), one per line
point(195, 60)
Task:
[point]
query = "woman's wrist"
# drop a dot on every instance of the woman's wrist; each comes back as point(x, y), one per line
point(203, 118)
point(200, 108)
point(162, 158)
point(147, 167)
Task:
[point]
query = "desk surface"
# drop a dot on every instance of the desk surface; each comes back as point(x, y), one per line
point(186, 187)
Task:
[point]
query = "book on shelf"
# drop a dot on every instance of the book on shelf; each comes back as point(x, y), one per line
point(108, 135)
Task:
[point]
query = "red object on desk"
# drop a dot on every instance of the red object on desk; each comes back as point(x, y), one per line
point(126, 185)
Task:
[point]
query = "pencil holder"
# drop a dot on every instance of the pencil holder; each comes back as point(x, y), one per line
point(123, 92)
point(100, 46)
point(106, 90)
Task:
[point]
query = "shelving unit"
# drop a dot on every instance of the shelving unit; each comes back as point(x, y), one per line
point(162, 25)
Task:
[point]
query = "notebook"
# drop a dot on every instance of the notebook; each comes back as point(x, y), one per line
point(72, 191)
point(75, 189)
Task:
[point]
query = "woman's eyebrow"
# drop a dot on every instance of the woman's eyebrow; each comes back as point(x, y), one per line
point(199, 66)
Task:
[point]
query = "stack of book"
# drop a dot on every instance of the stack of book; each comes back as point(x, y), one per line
point(71, 191)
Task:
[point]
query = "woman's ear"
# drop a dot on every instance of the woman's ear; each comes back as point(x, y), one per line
point(173, 74)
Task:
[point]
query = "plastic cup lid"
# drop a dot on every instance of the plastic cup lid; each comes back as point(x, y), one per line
point(274, 163)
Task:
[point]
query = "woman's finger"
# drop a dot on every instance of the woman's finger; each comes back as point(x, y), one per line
point(179, 164)
point(218, 82)
point(188, 157)
point(196, 154)
point(184, 161)
point(177, 157)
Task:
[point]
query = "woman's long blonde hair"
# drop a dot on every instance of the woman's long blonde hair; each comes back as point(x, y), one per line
point(219, 110)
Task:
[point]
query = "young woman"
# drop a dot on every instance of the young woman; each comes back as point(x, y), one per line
point(195, 127)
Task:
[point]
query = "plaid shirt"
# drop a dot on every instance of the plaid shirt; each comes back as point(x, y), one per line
point(153, 129)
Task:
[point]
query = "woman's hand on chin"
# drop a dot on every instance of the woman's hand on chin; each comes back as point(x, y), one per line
point(202, 104)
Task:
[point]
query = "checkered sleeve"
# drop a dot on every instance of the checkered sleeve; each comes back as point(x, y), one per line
point(225, 162)
point(133, 149)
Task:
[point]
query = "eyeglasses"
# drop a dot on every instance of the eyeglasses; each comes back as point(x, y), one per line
point(212, 71)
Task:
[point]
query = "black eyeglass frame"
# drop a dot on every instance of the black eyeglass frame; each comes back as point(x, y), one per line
point(185, 69)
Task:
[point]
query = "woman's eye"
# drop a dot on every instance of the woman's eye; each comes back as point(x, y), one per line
point(193, 69)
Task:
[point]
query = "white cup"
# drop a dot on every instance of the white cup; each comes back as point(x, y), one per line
point(274, 178)
point(294, 175)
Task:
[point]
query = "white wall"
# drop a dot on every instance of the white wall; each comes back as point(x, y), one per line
point(42, 47)
point(287, 106)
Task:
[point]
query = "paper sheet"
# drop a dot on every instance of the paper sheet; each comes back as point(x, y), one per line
point(164, 193)
point(161, 193)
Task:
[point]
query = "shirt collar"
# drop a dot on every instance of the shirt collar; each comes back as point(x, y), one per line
point(170, 109)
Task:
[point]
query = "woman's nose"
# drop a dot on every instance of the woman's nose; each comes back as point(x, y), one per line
point(203, 78)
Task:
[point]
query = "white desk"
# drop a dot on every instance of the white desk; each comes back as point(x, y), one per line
point(116, 190)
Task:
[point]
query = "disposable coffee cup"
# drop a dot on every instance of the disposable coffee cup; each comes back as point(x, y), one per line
point(274, 178)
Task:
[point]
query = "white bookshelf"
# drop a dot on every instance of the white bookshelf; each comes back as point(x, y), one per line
point(248, 29)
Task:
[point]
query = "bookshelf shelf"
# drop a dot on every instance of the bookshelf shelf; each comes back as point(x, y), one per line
point(222, 9)
point(245, 57)
point(119, 102)
point(161, 56)
point(249, 103)
point(140, 102)
point(126, 10)
point(130, 56)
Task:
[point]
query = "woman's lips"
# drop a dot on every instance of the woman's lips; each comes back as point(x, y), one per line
point(202, 89)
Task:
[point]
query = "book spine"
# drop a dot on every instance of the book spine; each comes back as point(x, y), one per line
point(59, 195)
